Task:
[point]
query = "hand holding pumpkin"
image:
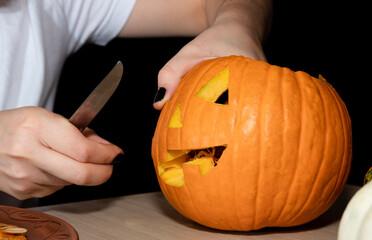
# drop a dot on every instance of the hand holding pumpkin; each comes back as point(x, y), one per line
point(235, 28)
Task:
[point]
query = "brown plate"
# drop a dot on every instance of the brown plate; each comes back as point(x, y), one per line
point(40, 226)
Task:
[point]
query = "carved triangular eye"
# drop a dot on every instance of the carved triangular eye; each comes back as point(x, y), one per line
point(224, 98)
point(216, 89)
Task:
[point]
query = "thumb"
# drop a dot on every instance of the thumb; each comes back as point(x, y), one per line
point(170, 75)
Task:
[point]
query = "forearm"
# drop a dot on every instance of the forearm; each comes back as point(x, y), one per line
point(189, 18)
point(251, 16)
point(164, 18)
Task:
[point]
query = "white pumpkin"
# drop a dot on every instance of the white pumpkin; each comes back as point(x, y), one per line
point(356, 221)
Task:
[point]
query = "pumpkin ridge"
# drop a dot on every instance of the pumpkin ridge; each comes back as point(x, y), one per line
point(345, 125)
point(294, 84)
point(335, 100)
point(283, 140)
point(239, 92)
point(311, 193)
point(276, 76)
point(260, 157)
point(176, 202)
point(199, 217)
point(237, 212)
point(301, 81)
point(218, 183)
point(280, 90)
point(290, 187)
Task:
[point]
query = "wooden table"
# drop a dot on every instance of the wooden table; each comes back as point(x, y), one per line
point(149, 216)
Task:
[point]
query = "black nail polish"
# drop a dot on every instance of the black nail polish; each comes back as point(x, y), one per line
point(119, 158)
point(159, 94)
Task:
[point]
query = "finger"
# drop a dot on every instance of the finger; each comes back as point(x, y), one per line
point(44, 178)
point(23, 170)
point(23, 189)
point(75, 172)
point(66, 139)
point(169, 76)
point(36, 190)
point(45, 190)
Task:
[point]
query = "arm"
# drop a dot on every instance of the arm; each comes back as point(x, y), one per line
point(222, 27)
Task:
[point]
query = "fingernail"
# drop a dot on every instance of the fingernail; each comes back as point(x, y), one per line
point(119, 158)
point(159, 94)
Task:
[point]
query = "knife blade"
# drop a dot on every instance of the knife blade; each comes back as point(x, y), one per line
point(89, 109)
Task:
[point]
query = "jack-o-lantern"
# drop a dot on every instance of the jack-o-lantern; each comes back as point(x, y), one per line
point(244, 145)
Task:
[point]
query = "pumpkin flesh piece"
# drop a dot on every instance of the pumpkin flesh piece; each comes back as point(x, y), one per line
point(173, 154)
point(174, 176)
point(205, 164)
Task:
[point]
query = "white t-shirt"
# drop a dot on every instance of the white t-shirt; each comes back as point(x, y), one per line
point(36, 37)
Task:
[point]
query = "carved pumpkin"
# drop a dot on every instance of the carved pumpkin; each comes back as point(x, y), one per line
point(244, 145)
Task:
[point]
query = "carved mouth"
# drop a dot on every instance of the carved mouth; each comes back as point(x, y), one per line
point(171, 171)
point(213, 152)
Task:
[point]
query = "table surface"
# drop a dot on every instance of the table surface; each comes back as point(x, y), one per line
point(149, 216)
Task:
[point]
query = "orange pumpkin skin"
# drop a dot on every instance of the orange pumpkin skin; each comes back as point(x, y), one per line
point(288, 154)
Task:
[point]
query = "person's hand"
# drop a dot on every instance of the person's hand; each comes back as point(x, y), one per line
point(41, 152)
point(217, 41)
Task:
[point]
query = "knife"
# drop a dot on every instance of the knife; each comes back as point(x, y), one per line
point(97, 98)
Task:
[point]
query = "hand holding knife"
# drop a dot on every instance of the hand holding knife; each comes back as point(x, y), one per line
point(41, 152)
point(89, 109)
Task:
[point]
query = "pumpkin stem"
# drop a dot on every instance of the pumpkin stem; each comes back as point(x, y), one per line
point(368, 176)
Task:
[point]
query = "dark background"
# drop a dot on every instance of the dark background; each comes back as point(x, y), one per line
point(318, 37)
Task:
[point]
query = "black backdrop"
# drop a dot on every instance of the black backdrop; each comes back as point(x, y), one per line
point(318, 37)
